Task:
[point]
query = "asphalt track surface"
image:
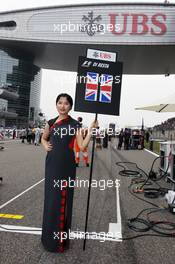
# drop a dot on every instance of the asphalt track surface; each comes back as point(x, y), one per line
point(22, 165)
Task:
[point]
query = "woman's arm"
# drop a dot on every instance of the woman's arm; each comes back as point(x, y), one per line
point(44, 140)
point(83, 142)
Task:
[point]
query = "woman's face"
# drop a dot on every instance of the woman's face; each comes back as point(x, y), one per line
point(63, 106)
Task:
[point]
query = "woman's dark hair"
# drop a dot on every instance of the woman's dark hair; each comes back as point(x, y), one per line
point(68, 97)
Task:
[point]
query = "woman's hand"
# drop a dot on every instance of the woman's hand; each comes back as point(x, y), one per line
point(48, 146)
point(83, 142)
point(45, 138)
point(94, 125)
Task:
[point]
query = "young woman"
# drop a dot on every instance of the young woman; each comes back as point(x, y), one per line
point(60, 169)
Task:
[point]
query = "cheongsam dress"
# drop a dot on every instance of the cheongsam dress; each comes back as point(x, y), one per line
point(60, 173)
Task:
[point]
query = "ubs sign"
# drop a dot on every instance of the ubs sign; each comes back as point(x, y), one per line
point(140, 23)
point(109, 24)
point(125, 23)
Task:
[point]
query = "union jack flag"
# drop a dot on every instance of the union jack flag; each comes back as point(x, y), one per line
point(106, 88)
point(91, 86)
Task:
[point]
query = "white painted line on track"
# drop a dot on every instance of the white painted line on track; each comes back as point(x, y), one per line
point(149, 151)
point(118, 208)
point(102, 236)
point(20, 229)
point(17, 196)
point(116, 228)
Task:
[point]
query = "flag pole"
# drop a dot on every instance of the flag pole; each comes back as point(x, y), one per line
point(89, 190)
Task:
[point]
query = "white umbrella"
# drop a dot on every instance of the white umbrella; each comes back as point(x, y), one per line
point(167, 105)
point(158, 108)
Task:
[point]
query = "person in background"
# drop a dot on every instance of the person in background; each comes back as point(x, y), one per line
point(41, 133)
point(33, 135)
point(105, 140)
point(77, 149)
point(147, 135)
point(127, 136)
point(120, 139)
point(29, 135)
point(14, 133)
point(98, 139)
point(142, 138)
point(23, 135)
point(37, 135)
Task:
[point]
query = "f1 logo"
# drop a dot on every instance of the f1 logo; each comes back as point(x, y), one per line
point(86, 64)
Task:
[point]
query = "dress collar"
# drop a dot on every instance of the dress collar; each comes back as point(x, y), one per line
point(60, 122)
point(64, 120)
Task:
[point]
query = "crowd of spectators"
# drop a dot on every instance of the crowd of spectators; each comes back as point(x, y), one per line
point(166, 125)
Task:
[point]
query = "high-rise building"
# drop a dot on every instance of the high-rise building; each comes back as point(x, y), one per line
point(19, 75)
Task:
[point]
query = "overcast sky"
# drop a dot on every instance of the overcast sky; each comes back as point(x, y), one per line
point(136, 90)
